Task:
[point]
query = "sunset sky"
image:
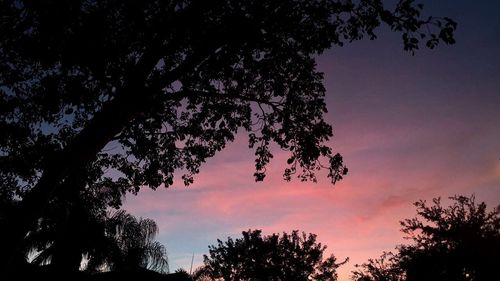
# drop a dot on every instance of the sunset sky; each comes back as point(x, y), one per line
point(409, 128)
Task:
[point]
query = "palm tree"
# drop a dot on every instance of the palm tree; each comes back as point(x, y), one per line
point(65, 234)
point(108, 241)
point(129, 244)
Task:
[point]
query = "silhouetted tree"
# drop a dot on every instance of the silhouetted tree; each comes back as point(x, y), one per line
point(255, 257)
point(120, 94)
point(134, 245)
point(458, 242)
point(201, 274)
point(384, 268)
point(117, 242)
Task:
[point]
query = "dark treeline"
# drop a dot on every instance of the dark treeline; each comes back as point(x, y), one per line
point(458, 242)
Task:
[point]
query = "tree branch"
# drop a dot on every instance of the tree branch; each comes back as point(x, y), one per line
point(185, 93)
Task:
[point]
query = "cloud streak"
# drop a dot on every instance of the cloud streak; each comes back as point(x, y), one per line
point(409, 128)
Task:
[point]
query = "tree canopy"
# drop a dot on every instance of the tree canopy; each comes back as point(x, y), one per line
point(99, 98)
point(292, 256)
point(457, 242)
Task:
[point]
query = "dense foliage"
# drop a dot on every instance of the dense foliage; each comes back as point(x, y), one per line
point(292, 256)
point(460, 242)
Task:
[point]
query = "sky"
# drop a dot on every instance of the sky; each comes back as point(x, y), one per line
point(409, 128)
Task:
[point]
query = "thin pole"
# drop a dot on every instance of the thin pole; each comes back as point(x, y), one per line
point(191, 269)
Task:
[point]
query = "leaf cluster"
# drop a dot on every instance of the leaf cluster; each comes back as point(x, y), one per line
point(456, 242)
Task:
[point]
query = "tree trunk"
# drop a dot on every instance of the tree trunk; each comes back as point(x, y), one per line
point(133, 99)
